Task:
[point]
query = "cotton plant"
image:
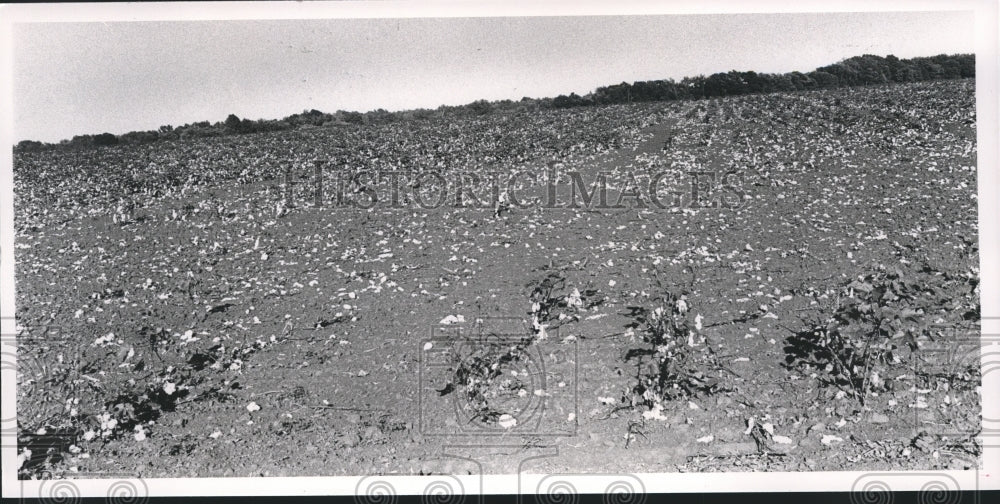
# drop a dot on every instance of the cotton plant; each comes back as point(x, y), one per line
point(878, 318)
point(551, 303)
point(675, 362)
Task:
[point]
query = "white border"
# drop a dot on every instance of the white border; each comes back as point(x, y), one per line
point(988, 184)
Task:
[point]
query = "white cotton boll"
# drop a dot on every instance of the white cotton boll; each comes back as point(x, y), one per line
point(507, 421)
point(23, 457)
point(876, 380)
point(682, 306)
point(575, 299)
point(541, 333)
point(655, 413)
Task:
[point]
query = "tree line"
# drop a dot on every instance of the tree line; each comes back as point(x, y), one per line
point(859, 70)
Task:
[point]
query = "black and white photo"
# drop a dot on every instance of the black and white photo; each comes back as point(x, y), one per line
point(422, 251)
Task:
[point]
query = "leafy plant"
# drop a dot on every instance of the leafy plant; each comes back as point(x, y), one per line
point(483, 377)
point(877, 316)
point(552, 301)
point(677, 362)
point(545, 295)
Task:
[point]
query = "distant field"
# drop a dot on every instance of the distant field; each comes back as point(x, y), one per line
point(815, 306)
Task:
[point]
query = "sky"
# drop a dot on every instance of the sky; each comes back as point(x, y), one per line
point(77, 78)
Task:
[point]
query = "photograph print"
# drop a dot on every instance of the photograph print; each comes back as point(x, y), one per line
point(478, 245)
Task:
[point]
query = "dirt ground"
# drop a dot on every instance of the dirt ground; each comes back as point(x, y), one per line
point(250, 340)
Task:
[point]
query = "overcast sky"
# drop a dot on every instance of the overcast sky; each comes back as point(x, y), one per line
point(74, 78)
